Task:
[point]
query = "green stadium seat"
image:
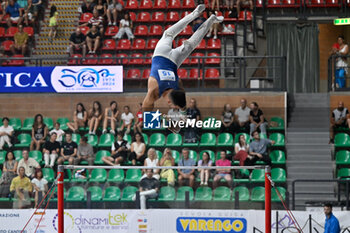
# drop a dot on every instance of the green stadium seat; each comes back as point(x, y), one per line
point(342, 140)
point(180, 196)
point(279, 123)
point(222, 194)
point(24, 140)
point(157, 140)
point(343, 172)
point(96, 193)
point(15, 123)
point(145, 138)
point(128, 192)
point(37, 155)
point(92, 139)
point(133, 175)
point(247, 137)
point(2, 156)
point(244, 172)
point(115, 175)
point(211, 155)
point(176, 155)
point(63, 123)
point(18, 154)
point(278, 157)
point(208, 140)
point(190, 144)
point(98, 175)
point(278, 138)
point(1, 124)
point(258, 175)
point(0, 172)
point(225, 140)
point(80, 180)
point(99, 155)
point(127, 137)
point(28, 124)
point(342, 157)
point(159, 154)
point(48, 174)
point(76, 138)
point(193, 155)
point(243, 193)
point(166, 193)
point(75, 193)
point(203, 194)
point(174, 140)
point(278, 175)
point(258, 194)
point(112, 193)
point(48, 122)
point(67, 175)
point(106, 140)
point(274, 196)
point(210, 128)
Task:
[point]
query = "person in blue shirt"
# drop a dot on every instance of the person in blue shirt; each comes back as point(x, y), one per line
point(164, 81)
point(13, 9)
point(332, 223)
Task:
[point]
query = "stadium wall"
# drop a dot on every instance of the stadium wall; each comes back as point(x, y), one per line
point(63, 105)
point(335, 97)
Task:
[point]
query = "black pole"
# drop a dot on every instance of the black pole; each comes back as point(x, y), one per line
point(276, 221)
point(310, 223)
point(187, 199)
point(236, 200)
point(293, 194)
point(287, 199)
point(88, 200)
point(138, 206)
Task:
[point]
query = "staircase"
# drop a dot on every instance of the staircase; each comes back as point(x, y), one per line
point(309, 154)
point(68, 20)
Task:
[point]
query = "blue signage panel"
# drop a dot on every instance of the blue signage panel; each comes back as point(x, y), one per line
point(61, 79)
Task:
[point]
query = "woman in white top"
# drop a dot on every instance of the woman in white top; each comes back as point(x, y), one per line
point(242, 152)
point(128, 119)
point(138, 149)
point(59, 132)
point(125, 27)
point(79, 118)
point(6, 132)
point(151, 161)
point(205, 173)
point(39, 185)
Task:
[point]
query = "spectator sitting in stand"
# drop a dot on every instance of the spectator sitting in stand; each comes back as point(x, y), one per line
point(125, 27)
point(101, 8)
point(77, 42)
point(151, 161)
point(242, 116)
point(257, 119)
point(167, 160)
point(14, 10)
point(222, 173)
point(29, 13)
point(258, 148)
point(93, 39)
point(51, 151)
point(149, 188)
point(114, 8)
point(97, 21)
point(21, 188)
point(127, 118)
point(68, 151)
point(215, 28)
point(39, 133)
point(88, 6)
point(85, 152)
point(21, 41)
point(9, 171)
point(191, 134)
point(111, 117)
point(242, 152)
point(186, 174)
point(204, 173)
point(79, 118)
point(6, 132)
point(138, 150)
point(340, 119)
point(243, 4)
point(119, 151)
point(39, 185)
point(59, 132)
point(227, 118)
point(29, 164)
point(217, 3)
point(95, 115)
point(139, 124)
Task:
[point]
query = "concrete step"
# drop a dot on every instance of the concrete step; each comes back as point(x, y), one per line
point(304, 158)
point(308, 140)
point(306, 124)
point(309, 163)
point(303, 175)
point(307, 129)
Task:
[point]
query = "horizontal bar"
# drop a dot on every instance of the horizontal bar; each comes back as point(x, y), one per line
point(161, 167)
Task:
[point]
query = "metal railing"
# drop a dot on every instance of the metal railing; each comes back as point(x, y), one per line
point(333, 70)
point(339, 198)
point(246, 73)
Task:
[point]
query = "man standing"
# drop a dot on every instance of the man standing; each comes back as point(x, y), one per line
point(68, 150)
point(149, 188)
point(186, 174)
point(29, 164)
point(191, 134)
point(332, 224)
point(258, 147)
point(340, 118)
point(242, 117)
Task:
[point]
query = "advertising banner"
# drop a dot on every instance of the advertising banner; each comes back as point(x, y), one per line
point(163, 221)
point(61, 79)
